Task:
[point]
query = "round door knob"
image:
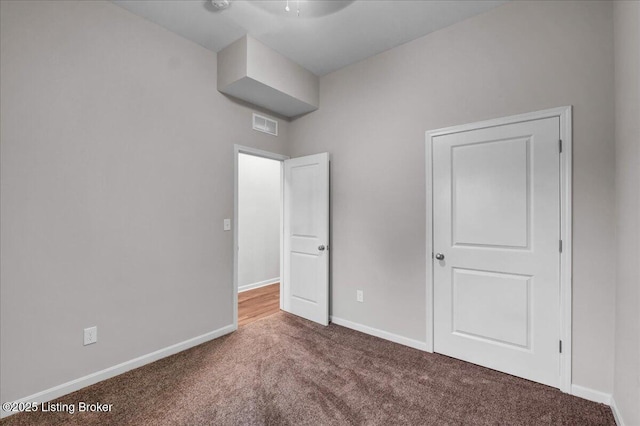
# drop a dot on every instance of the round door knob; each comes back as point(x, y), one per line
point(439, 256)
point(321, 248)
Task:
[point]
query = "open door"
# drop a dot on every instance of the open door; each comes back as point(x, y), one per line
point(306, 237)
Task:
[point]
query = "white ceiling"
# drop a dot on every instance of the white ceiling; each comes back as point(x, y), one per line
point(321, 44)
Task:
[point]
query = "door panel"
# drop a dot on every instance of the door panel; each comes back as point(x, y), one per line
point(496, 220)
point(304, 201)
point(306, 230)
point(303, 277)
point(491, 180)
point(491, 306)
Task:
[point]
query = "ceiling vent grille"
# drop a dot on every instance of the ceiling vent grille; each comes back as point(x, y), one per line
point(264, 124)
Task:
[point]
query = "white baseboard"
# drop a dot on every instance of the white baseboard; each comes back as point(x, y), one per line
point(107, 373)
point(591, 394)
point(616, 413)
point(601, 397)
point(258, 284)
point(416, 344)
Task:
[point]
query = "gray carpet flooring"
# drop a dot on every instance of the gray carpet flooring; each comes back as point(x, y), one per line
point(283, 370)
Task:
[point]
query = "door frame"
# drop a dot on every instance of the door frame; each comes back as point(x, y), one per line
point(237, 150)
point(564, 114)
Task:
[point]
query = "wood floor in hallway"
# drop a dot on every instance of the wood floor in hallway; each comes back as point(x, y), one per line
point(258, 303)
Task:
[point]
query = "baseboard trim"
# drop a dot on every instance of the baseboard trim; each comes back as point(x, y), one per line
point(416, 344)
point(591, 394)
point(258, 284)
point(107, 373)
point(616, 413)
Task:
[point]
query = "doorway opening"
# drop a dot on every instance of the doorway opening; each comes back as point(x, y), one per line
point(257, 234)
point(303, 246)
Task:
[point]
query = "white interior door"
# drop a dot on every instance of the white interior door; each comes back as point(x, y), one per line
point(496, 236)
point(306, 237)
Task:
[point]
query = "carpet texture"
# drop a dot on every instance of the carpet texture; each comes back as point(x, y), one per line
point(283, 370)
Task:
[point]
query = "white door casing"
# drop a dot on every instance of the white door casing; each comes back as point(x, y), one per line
point(306, 237)
point(499, 297)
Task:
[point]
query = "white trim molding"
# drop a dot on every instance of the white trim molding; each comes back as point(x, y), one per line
point(600, 397)
point(259, 284)
point(591, 394)
point(564, 116)
point(416, 344)
point(616, 413)
point(107, 373)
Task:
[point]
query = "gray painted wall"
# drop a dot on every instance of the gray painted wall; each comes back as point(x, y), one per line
point(117, 173)
point(259, 205)
point(520, 57)
point(626, 391)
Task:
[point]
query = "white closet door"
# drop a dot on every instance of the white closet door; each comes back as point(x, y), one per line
point(496, 221)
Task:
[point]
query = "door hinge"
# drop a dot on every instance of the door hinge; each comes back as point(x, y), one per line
point(560, 246)
point(560, 346)
point(560, 144)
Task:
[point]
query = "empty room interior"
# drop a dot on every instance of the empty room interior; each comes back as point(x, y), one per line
point(310, 212)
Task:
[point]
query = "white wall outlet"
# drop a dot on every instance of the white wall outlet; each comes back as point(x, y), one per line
point(360, 295)
point(227, 224)
point(90, 335)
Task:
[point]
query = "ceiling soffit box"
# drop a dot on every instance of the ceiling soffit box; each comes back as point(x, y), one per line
point(253, 72)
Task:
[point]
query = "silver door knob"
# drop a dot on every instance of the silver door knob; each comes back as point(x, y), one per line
point(321, 248)
point(439, 256)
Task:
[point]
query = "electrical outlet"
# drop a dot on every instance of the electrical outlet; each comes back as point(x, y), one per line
point(360, 295)
point(90, 335)
point(227, 224)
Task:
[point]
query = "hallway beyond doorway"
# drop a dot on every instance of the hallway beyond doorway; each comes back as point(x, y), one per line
point(258, 303)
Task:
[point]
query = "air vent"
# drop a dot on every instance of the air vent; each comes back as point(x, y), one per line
point(264, 124)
